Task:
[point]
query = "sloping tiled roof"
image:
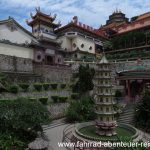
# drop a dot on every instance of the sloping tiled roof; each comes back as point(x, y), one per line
point(83, 27)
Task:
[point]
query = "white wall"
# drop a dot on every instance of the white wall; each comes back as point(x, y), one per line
point(67, 42)
point(17, 51)
point(16, 36)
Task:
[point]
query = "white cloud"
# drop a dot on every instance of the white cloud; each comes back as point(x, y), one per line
point(92, 12)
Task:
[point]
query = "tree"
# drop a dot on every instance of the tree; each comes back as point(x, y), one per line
point(84, 83)
point(20, 120)
point(82, 110)
point(142, 115)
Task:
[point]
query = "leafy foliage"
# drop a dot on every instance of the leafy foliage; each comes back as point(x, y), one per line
point(55, 98)
point(85, 77)
point(46, 86)
point(43, 100)
point(20, 120)
point(38, 86)
point(24, 86)
point(13, 89)
point(142, 115)
point(54, 85)
point(81, 110)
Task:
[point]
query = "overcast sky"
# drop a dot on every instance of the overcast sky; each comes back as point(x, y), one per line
point(91, 12)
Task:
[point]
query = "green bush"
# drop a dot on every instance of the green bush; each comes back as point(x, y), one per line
point(46, 86)
point(54, 85)
point(21, 121)
point(75, 96)
point(82, 110)
point(24, 86)
point(63, 99)
point(63, 86)
point(55, 98)
point(38, 86)
point(43, 100)
point(13, 89)
point(32, 99)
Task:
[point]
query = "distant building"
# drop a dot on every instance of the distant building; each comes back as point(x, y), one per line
point(80, 41)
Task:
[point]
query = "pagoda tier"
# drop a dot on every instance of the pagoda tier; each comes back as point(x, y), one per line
point(104, 101)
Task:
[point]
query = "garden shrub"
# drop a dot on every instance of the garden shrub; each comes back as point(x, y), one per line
point(46, 86)
point(75, 96)
point(55, 98)
point(24, 86)
point(63, 99)
point(63, 86)
point(82, 110)
point(32, 99)
point(13, 89)
point(43, 100)
point(54, 85)
point(38, 86)
point(21, 121)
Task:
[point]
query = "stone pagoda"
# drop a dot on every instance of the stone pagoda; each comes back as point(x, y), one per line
point(105, 122)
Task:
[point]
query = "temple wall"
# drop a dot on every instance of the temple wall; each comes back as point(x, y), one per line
point(18, 51)
point(15, 64)
point(54, 73)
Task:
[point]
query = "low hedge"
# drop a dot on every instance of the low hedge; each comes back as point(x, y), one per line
point(43, 100)
point(32, 99)
point(75, 96)
point(46, 86)
point(63, 99)
point(54, 85)
point(63, 86)
point(13, 89)
point(24, 86)
point(38, 86)
point(55, 98)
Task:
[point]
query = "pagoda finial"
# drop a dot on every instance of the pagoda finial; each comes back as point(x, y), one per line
point(54, 17)
point(37, 9)
point(31, 15)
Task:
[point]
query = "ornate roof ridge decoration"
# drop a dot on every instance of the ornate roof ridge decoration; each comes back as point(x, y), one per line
point(39, 15)
point(87, 28)
point(11, 21)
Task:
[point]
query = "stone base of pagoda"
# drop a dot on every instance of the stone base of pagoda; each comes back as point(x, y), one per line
point(106, 128)
point(106, 132)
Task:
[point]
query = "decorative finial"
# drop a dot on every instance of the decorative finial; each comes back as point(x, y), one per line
point(37, 9)
point(54, 17)
point(31, 15)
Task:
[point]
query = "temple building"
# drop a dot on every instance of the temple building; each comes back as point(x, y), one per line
point(134, 80)
point(128, 39)
point(80, 41)
point(104, 100)
point(48, 51)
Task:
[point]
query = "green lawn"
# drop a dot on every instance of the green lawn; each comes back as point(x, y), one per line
point(91, 131)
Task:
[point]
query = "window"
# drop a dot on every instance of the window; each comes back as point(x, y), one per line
point(82, 45)
point(101, 118)
point(107, 109)
point(39, 57)
point(107, 118)
point(101, 108)
point(101, 99)
point(106, 99)
point(90, 48)
point(74, 45)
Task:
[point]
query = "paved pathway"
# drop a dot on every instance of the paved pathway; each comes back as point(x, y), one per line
point(55, 134)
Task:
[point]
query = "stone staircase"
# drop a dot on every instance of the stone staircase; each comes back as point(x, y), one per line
point(127, 116)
